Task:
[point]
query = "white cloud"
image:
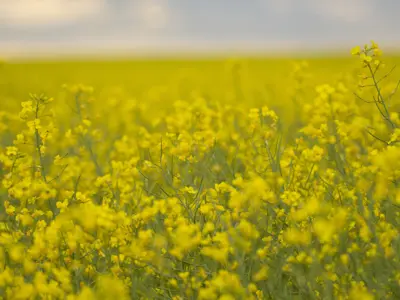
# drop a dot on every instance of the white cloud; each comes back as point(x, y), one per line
point(27, 13)
point(279, 6)
point(340, 10)
point(152, 14)
point(344, 10)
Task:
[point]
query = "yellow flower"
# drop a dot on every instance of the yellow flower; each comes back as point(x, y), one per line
point(111, 288)
point(261, 275)
point(25, 291)
point(218, 254)
point(356, 50)
point(324, 229)
point(365, 58)
point(29, 266)
point(344, 258)
point(226, 297)
point(16, 253)
point(359, 292)
point(86, 294)
point(296, 237)
point(374, 45)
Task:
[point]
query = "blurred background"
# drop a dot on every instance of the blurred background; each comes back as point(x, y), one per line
point(59, 28)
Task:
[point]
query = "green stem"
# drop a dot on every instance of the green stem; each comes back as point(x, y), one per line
point(39, 143)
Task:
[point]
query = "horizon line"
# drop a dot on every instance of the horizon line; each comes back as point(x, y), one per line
point(112, 49)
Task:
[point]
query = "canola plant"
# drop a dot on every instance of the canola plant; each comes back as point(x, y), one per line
point(230, 192)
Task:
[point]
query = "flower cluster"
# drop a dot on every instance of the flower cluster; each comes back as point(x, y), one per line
point(133, 194)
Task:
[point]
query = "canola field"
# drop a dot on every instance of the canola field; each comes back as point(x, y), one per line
point(249, 178)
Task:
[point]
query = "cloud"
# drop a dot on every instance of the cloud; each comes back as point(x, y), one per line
point(39, 13)
point(343, 10)
point(153, 15)
point(338, 10)
point(281, 7)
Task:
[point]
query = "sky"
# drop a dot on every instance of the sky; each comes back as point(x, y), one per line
point(42, 27)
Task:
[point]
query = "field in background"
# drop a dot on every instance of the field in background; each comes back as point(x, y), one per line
point(260, 79)
point(250, 178)
point(257, 80)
